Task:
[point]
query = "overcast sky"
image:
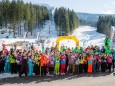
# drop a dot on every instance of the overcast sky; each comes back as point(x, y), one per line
point(88, 6)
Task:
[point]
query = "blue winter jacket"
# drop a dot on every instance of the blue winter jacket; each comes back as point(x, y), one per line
point(113, 54)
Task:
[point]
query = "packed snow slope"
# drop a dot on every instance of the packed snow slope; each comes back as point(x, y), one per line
point(89, 36)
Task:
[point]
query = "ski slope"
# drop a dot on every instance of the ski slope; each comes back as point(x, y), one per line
point(86, 34)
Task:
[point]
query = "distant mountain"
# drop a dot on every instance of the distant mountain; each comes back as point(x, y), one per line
point(89, 19)
point(84, 18)
point(48, 6)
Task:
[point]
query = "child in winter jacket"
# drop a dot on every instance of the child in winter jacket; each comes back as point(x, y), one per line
point(63, 64)
point(57, 65)
point(89, 58)
point(1, 62)
point(109, 61)
point(7, 63)
point(31, 66)
point(13, 62)
point(24, 65)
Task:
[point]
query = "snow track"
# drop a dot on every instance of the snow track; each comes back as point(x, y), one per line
point(88, 36)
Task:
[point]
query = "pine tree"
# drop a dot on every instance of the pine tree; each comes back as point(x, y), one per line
point(32, 18)
point(5, 8)
point(65, 20)
point(13, 15)
point(56, 18)
point(104, 24)
point(16, 12)
point(20, 9)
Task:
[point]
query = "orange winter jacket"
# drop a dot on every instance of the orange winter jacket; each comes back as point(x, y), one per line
point(43, 60)
point(88, 58)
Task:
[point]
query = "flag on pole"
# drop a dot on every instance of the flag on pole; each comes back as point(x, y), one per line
point(52, 44)
point(37, 35)
point(25, 34)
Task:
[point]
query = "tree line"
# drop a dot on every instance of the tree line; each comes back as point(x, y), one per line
point(17, 12)
point(89, 23)
point(66, 20)
point(104, 24)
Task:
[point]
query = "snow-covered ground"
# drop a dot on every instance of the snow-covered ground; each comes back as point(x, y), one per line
point(86, 34)
point(47, 33)
point(8, 75)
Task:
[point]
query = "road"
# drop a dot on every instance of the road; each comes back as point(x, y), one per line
point(81, 80)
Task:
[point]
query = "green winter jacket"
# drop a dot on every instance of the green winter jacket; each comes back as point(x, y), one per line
point(61, 49)
point(81, 50)
point(76, 50)
point(12, 60)
point(97, 51)
point(107, 42)
point(108, 51)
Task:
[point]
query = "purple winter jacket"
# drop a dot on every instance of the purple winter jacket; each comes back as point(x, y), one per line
point(1, 60)
point(19, 58)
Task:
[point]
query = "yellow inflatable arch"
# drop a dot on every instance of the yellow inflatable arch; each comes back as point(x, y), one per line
point(67, 38)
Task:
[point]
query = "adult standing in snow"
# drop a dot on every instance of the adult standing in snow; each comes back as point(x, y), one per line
point(107, 42)
point(113, 55)
point(13, 62)
point(31, 65)
point(1, 62)
point(43, 64)
point(108, 51)
point(57, 64)
point(85, 63)
point(70, 63)
point(18, 60)
point(77, 62)
point(103, 63)
point(63, 63)
point(51, 64)
point(103, 49)
point(24, 65)
point(37, 64)
point(109, 61)
point(7, 63)
point(81, 63)
point(89, 58)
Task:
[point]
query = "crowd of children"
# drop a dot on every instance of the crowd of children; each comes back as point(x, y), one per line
point(51, 61)
point(57, 62)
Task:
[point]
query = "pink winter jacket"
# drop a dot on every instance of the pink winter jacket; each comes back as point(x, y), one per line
point(109, 59)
